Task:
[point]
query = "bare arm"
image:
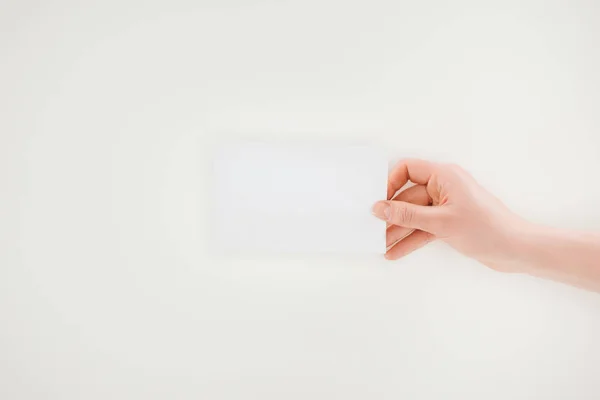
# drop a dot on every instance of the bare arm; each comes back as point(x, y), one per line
point(572, 257)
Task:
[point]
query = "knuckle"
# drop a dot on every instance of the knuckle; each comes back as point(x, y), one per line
point(429, 239)
point(453, 172)
point(405, 215)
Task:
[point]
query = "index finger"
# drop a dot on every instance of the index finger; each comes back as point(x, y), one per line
point(414, 170)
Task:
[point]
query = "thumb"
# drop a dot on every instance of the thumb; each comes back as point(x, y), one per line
point(408, 215)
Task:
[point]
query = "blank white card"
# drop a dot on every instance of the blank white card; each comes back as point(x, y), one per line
point(299, 198)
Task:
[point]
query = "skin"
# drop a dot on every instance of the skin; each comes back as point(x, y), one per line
point(446, 203)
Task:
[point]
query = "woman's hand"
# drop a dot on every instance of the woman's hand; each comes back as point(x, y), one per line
point(447, 204)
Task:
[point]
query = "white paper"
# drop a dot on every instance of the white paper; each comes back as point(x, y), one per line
point(299, 198)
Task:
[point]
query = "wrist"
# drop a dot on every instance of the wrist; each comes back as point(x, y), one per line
point(517, 245)
point(528, 248)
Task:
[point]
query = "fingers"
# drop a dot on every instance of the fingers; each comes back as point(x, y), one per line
point(409, 215)
point(414, 223)
point(395, 233)
point(396, 236)
point(417, 171)
point(416, 195)
point(412, 242)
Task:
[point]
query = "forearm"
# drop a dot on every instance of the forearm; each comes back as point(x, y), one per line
point(572, 257)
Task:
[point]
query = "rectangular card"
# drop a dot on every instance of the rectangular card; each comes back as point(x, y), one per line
point(299, 198)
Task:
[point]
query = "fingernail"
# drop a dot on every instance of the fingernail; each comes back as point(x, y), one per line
point(381, 210)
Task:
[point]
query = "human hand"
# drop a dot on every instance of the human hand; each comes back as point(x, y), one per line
point(447, 203)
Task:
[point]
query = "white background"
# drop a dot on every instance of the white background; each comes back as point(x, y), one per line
point(106, 113)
